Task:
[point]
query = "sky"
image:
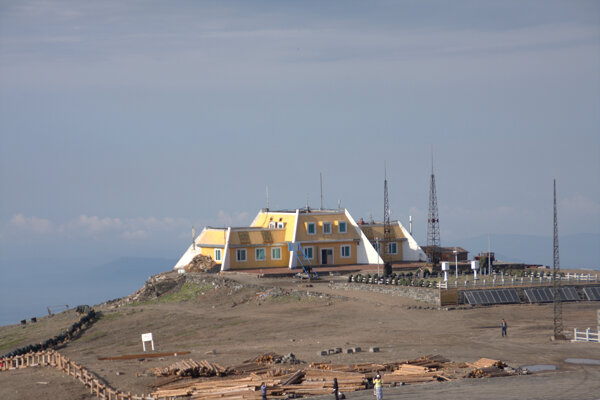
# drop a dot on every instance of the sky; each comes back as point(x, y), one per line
point(125, 123)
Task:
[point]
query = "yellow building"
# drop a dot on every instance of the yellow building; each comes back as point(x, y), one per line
point(401, 246)
point(288, 238)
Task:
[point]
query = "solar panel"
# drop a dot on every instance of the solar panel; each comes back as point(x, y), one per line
point(569, 294)
point(469, 298)
point(546, 295)
point(493, 296)
point(539, 295)
point(592, 293)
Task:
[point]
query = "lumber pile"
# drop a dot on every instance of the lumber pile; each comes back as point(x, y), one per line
point(192, 368)
point(315, 379)
point(487, 368)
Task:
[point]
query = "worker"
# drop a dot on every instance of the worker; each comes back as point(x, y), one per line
point(263, 391)
point(336, 389)
point(503, 326)
point(378, 387)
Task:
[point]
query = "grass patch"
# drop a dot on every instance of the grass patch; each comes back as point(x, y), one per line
point(10, 342)
point(110, 317)
point(187, 292)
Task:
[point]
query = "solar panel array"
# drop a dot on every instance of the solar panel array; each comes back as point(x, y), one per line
point(494, 296)
point(546, 295)
point(592, 293)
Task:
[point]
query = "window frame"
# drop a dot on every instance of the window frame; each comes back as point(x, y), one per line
point(345, 246)
point(389, 248)
point(220, 253)
point(345, 225)
point(325, 223)
point(237, 255)
point(264, 253)
point(314, 228)
point(312, 252)
point(272, 255)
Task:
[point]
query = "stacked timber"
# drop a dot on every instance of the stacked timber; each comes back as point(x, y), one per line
point(192, 368)
point(487, 368)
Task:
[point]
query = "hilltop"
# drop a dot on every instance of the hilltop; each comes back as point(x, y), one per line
point(232, 317)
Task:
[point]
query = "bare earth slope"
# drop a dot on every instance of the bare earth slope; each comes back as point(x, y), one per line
point(235, 317)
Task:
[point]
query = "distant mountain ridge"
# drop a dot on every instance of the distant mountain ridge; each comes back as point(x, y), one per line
point(580, 250)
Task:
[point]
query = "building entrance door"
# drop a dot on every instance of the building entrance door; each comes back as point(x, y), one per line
point(326, 256)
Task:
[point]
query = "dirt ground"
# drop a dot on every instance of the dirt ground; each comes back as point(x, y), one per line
point(234, 317)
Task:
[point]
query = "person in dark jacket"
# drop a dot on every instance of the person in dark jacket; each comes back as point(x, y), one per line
point(503, 326)
point(335, 389)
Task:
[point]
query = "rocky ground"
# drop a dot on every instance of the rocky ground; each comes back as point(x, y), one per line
point(234, 317)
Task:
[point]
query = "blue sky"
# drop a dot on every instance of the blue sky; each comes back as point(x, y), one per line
point(124, 123)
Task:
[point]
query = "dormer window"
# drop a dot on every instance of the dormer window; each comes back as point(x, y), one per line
point(342, 227)
point(327, 228)
point(311, 228)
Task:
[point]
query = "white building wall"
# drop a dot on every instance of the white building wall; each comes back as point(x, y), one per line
point(187, 257)
point(411, 251)
point(365, 252)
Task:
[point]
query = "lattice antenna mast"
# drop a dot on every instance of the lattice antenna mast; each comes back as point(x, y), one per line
point(387, 225)
point(558, 320)
point(433, 220)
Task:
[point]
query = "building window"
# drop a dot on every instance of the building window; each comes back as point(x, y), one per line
point(276, 253)
point(392, 248)
point(272, 225)
point(308, 253)
point(217, 254)
point(345, 249)
point(281, 225)
point(326, 227)
point(240, 254)
point(260, 254)
point(311, 228)
point(342, 227)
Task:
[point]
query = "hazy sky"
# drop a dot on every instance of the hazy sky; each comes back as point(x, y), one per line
point(125, 122)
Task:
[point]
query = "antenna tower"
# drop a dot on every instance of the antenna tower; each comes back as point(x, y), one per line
point(433, 220)
point(558, 320)
point(321, 180)
point(387, 225)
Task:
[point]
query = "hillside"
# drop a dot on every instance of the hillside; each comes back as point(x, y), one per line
point(234, 317)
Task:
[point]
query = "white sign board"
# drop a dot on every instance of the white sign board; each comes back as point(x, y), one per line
point(147, 337)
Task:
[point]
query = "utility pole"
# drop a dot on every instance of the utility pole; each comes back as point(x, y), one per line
point(557, 300)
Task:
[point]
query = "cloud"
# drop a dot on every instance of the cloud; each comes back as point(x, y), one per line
point(94, 226)
point(91, 225)
point(31, 224)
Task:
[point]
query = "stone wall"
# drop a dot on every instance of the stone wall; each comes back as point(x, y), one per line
point(431, 296)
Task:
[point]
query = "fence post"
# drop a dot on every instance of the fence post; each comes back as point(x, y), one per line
point(587, 335)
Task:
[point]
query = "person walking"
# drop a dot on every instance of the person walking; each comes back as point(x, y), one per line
point(378, 387)
point(263, 391)
point(336, 389)
point(503, 326)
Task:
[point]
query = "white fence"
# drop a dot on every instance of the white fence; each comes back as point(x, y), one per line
point(585, 336)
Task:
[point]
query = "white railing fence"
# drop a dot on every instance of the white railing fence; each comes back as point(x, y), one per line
point(585, 336)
